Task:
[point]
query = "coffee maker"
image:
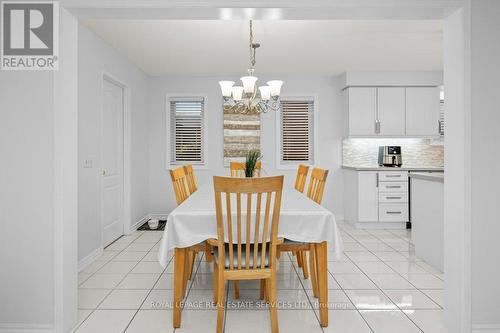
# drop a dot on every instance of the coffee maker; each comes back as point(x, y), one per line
point(390, 156)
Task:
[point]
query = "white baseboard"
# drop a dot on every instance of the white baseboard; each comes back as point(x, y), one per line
point(137, 224)
point(82, 264)
point(26, 328)
point(485, 328)
point(377, 225)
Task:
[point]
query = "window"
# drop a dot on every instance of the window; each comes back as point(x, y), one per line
point(296, 132)
point(187, 130)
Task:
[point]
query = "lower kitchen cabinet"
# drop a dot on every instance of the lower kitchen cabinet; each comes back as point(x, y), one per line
point(376, 198)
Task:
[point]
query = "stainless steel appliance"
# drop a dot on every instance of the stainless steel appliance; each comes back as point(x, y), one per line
point(390, 156)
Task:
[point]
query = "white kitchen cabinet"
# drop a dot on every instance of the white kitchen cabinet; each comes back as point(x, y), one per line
point(376, 198)
point(367, 196)
point(362, 105)
point(422, 111)
point(391, 111)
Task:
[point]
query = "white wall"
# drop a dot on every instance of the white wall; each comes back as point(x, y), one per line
point(329, 120)
point(26, 199)
point(485, 180)
point(95, 58)
point(457, 177)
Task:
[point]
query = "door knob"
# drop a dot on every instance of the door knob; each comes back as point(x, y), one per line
point(104, 172)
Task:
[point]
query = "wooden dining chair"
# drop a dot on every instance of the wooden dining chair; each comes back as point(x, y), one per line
point(237, 169)
point(179, 182)
point(181, 189)
point(315, 192)
point(190, 177)
point(246, 257)
point(301, 177)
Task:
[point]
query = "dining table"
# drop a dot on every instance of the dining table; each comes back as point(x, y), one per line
point(302, 220)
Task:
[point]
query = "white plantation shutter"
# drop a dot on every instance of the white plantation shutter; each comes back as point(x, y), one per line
point(296, 131)
point(186, 128)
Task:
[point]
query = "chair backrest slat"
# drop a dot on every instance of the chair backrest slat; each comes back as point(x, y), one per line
point(266, 226)
point(179, 183)
point(300, 179)
point(256, 232)
point(190, 177)
point(317, 184)
point(248, 186)
point(238, 214)
point(229, 228)
point(248, 228)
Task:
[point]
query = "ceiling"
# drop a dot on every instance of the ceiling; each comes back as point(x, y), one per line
point(220, 47)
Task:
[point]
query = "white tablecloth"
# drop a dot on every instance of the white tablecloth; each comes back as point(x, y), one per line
point(301, 220)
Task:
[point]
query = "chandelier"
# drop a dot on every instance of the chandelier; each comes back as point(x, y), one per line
point(247, 98)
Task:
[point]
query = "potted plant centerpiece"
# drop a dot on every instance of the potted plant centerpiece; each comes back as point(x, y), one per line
point(253, 157)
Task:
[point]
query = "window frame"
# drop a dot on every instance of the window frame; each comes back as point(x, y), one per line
point(280, 164)
point(169, 164)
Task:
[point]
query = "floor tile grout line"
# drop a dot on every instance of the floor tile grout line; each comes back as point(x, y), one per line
point(115, 288)
point(381, 290)
point(145, 298)
point(296, 269)
point(93, 310)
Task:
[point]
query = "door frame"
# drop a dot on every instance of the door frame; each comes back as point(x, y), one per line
point(66, 108)
point(126, 124)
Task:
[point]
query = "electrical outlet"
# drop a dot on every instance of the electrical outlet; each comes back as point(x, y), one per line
point(87, 164)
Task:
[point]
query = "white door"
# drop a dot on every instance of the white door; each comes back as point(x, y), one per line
point(391, 110)
point(112, 162)
point(362, 111)
point(422, 111)
point(368, 196)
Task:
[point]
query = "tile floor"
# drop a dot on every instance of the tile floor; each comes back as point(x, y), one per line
point(377, 285)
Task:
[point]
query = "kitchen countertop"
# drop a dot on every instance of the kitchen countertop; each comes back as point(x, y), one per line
point(431, 176)
point(379, 168)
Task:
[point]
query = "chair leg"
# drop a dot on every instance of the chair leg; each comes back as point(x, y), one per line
point(312, 268)
point(191, 267)
point(220, 300)
point(208, 252)
point(299, 259)
point(262, 289)
point(304, 265)
point(215, 283)
point(273, 306)
point(236, 285)
point(278, 253)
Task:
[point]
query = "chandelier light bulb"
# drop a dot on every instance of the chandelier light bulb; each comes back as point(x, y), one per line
point(248, 84)
point(275, 87)
point(225, 87)
point(237, 93)
point(265, 93)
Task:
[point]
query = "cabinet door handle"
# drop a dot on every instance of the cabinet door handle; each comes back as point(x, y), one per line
point(393, 186)
point(393, 176)
point(377, 179)
point(377, 126)
point(393, 198)
point(390, 212)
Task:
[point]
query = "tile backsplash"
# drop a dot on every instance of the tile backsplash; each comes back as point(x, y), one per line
point(363, 152)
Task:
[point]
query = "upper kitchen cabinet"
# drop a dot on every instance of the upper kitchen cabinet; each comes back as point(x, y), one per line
point(391, 111)
point(362, 105)
point(422, 111)
point(376, 111)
